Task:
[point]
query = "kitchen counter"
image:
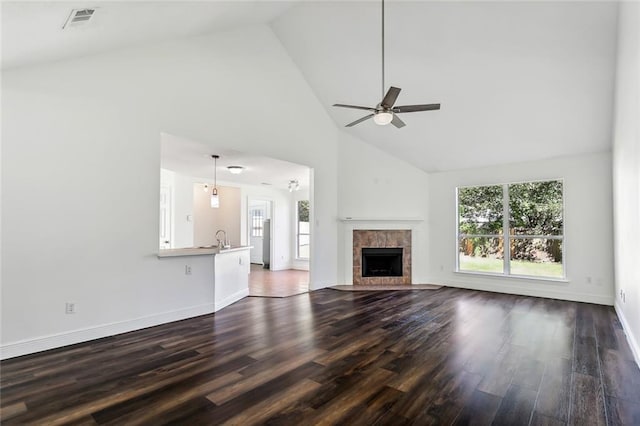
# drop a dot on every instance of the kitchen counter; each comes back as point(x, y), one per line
point(229, 269)
point(199, 251)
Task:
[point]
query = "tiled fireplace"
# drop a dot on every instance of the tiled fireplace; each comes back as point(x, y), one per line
point(389, 261)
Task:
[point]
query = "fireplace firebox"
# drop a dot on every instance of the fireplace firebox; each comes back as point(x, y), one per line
point(382, 261)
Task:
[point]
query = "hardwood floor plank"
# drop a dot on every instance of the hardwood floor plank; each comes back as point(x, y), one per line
point(621, 377)
point(622, 412)
point(542, 420)
point(249, 382)
point(260, 412)
point(9, 411)
point(450, 356)
point(516, 406)
point(479, 410)
point(587, 406)
point(555, 390)
point(586, 356)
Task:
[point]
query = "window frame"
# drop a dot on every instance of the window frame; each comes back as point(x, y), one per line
point(298, 233)
point(260, 224)
point(506, 234)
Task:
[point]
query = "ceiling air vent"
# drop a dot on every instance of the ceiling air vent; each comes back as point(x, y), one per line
point(78, 17)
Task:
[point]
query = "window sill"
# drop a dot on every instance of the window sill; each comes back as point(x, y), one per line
point(518, 277)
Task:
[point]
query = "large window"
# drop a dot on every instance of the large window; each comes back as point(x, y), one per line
point(303, 229)
point(512, 229)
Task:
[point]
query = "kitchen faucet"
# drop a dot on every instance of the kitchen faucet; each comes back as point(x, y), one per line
point(224, 243)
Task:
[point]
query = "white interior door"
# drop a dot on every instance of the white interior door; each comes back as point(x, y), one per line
point(165, 217)
point(257, 215)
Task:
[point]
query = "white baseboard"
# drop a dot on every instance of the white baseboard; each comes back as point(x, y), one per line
point(38, 344)
point(231, 299)
point(528, 291)
point(633, 343)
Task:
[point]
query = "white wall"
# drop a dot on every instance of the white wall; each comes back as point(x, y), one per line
point(83, 135)
point(183, 213)
point(374, 185)
point(626, 173)
point(588, 227)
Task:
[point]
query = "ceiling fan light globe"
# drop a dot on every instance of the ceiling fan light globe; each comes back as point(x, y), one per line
point(383, 118)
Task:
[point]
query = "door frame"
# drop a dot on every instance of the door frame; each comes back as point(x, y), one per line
point(270, 208)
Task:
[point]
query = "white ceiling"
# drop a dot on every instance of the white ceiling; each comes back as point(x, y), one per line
point(191, 158)
point(517, 81)
point(32, 31)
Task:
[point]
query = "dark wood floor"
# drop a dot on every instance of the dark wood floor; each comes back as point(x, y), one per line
point(447, 356)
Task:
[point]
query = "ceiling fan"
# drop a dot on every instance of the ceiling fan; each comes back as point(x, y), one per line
point(385, 112)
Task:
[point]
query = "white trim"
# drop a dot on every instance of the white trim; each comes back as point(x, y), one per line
point(521, 277)
point(29, 346)
point(241, 294)
point(633, 343)
point(515, 287)
point(506, 228)
point(381, 219)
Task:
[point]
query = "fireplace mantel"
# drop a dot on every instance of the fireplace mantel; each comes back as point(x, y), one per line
point(381, 219)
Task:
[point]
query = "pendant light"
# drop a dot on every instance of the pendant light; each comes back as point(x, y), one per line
point(215, 200)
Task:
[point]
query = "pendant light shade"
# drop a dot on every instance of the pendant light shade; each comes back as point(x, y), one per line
point(215, 200)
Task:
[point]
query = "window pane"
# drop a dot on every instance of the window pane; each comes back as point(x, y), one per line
point(303, 229)
point(481, 254)
point(303, 246)
point(536, 208)
point(480, 210)
point(303, 211)
point(257, 223)
point(539, 257)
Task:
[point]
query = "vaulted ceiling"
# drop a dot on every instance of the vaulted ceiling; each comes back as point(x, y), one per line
point(517, 81)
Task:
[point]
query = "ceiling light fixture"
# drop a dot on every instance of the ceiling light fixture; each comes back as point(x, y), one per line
point(294, 185)
point(383, 118)
point(236, 170)
point(215, 200)
point(386, 112)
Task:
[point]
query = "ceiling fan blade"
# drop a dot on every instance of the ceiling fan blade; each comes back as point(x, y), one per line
point(397, 122)
point(360, 120)
point(415, 108)
point(390, 97)
point(354, 107)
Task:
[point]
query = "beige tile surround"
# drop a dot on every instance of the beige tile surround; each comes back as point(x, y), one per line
point(379, 238)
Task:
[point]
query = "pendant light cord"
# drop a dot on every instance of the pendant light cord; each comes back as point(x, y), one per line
point(382, 50)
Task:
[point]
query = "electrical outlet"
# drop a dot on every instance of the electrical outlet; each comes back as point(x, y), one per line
point(69, 308)
point(187, 269)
